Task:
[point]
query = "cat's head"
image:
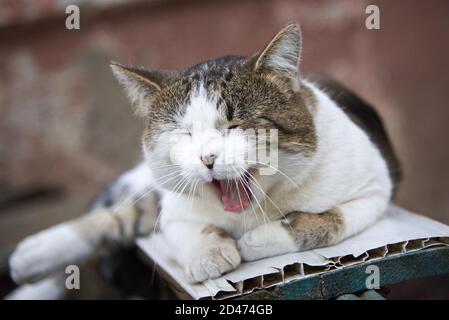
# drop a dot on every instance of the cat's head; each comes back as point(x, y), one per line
point(202, 125)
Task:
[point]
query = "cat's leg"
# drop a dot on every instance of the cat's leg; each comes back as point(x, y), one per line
point(50, 288)
point(41, 254)
point(76, 241)
point(206, 252)
point(303, 231)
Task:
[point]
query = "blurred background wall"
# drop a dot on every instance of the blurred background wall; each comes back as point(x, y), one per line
point(66, 128)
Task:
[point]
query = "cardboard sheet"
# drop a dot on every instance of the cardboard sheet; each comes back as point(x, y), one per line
point(399, 231)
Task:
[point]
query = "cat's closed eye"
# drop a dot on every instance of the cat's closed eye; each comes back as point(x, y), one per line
point(233, 126)
point(185, 132)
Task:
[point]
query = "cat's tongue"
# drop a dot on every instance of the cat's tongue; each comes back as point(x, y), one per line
point(234, 195)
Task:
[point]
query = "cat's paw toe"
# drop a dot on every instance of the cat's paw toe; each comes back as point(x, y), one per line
point(212, 262)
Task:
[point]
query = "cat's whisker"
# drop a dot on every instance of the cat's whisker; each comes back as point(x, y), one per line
point(183, 185)
point(182, 182)
point(175, 190)
point(193, 194)
point(264, 216)
point(186, 184)
point(253, 180)
point(120, 206)
point(240, 199)
point(250, 202)
point(179, 184)
point(278, 170)
point(189, 195)
point(165, 166)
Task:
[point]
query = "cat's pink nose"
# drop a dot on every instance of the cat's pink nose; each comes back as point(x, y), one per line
point(208, 160)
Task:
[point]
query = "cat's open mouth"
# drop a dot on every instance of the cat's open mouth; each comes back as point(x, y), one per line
point(234, 194)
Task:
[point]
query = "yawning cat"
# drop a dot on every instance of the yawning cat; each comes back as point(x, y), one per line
point(332, 175)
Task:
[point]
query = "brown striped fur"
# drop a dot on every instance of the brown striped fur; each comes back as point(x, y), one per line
point(215, 230)
point(311, 230)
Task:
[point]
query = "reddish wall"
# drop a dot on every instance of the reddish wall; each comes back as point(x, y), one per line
point(65, 124)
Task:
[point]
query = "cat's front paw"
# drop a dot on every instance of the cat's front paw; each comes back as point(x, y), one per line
point(265, 241)
point(45, 252)
point(211, 262)
point(253, 246)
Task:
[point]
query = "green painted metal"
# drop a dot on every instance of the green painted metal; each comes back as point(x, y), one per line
point(348, 280)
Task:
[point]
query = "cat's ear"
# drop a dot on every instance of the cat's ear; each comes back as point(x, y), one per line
point(281, 55)
point(140, 84)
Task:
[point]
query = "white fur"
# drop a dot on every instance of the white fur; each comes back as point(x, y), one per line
point(266, 240)
point(347, 172)
point(200, 135)
point(51, 288)
point(137, 179)
point(204, 256)
point(46, 252)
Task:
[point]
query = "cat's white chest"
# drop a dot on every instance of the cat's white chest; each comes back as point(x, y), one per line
point(208, 210)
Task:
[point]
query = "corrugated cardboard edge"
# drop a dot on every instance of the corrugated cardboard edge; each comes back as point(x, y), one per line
point(299, 270)
point(269, 272)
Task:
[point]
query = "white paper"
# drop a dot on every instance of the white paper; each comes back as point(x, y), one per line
point(397, 232)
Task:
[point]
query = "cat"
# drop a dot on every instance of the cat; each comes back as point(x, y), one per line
point(334, 173)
